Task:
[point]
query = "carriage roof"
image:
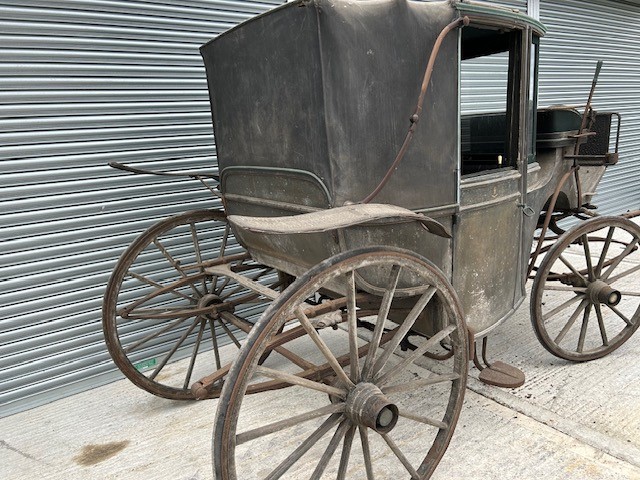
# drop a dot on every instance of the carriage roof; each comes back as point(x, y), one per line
point(322, 91)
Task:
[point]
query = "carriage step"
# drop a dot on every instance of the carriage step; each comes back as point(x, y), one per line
point(224, 270)
point(501, 374)
point(498, 374)
point(335, 218)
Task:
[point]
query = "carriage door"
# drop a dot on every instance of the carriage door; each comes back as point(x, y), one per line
point(487, 262)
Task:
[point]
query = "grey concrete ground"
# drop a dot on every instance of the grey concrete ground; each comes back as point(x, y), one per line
point(569, 421)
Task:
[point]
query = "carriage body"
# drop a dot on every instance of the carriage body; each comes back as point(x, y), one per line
point(311, 102)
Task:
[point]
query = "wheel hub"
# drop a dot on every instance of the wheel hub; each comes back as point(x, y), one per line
point(208, 300)
point(215, 303)
point(601, 292)
point(366, 405)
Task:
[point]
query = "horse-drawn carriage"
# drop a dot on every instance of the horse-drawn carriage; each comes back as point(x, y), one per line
point(389, 228)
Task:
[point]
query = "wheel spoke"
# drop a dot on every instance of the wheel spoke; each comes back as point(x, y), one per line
point(563, 288)
point(214, 342)
point(415, 355)
point(623, 274)
point(225, 239)
point(587, 256)
point(603, 330)
point(196, 251)
point(366, 452)
point(330, 450)
point(160, 314)
point(133, 346)
point(346, 453)
point(303, 382)
point(288, 423)
point(400, 456)
point(621, 315)
point(382, 316)
point(572, 268)
point(619, 259)
point(417, 384)
point(164, 289)
point(605, 250)
point(627, 293)
point(352, 324)
point(221, 251)
point(173, 350)
point(192, 361)
point(558, 309)
point(175, 265)
point(305, 446)
point(171, 288)
point(583, 329)
point(422, 419)
point(571, 321)
point(229, 333)
point(403, 330)
point(322, 346)
point(218, 289)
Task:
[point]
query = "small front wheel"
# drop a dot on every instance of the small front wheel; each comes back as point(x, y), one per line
point(359, 407)
point(585, 300)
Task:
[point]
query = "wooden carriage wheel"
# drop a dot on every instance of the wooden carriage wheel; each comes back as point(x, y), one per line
point(165, 319)
point(369, 414)
point(585, 301)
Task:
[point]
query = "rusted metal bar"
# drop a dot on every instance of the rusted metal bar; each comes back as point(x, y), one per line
point(587, 108)
point(142, 171)
point(585, 116)
point(547, 219)
point(631, 214)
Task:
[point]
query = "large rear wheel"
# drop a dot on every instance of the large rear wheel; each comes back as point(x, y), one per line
point(360, 407)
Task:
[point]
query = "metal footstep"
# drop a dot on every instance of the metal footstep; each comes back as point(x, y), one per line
point(498, 374)
point(501, 374)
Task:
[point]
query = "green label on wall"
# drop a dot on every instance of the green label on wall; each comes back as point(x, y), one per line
point(146, 364)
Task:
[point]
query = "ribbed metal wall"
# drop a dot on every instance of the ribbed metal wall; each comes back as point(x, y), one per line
point(484, 80)
point(580, 33)
point(86, 82)
point(83, 83)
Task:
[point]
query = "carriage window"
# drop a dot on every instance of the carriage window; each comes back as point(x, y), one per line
point(488, 100)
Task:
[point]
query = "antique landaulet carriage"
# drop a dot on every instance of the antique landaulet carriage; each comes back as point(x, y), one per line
point(392, 222)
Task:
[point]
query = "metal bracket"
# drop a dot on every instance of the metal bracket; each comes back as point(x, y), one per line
point(527, 210)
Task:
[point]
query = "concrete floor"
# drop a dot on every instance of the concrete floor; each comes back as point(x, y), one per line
point(568, 421)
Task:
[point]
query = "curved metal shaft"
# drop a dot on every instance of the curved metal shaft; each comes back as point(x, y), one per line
point(460, 22)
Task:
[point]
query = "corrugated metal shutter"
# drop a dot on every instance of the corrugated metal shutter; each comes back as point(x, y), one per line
point(580, 33)
point(520, 5)
point(484, 80)
point(83, 83)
